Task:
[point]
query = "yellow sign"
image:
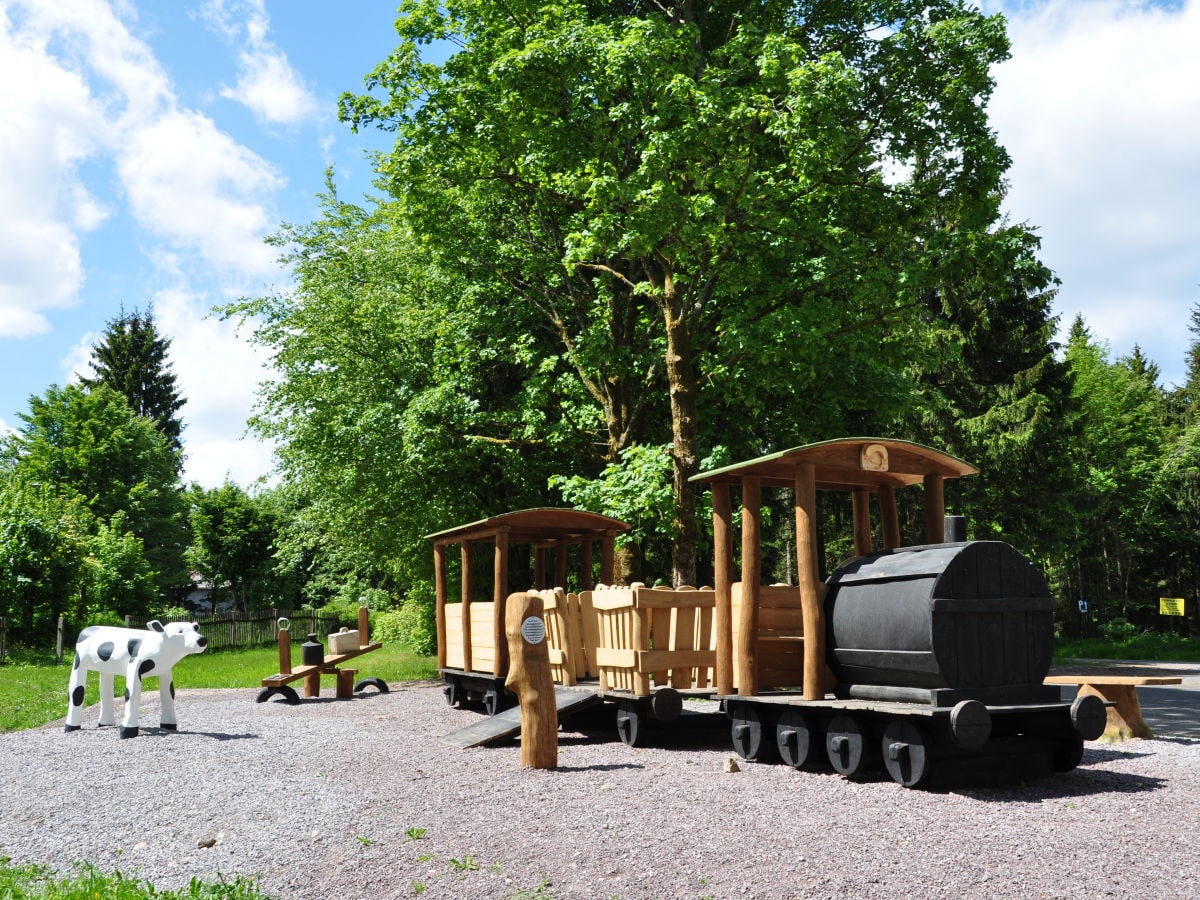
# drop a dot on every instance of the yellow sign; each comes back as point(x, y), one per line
point(1170, 606)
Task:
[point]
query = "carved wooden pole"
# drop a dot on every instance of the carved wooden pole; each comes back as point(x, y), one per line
point(747, 644)
point(862, 523)
point(812, 592)
point(439, 581)
point(530, 679)
point(465, 584)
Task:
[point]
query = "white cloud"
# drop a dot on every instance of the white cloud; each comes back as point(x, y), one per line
point(44, 136)
point(1098, 107)
point(267, 84)
point(218, 374)
point(191, 184)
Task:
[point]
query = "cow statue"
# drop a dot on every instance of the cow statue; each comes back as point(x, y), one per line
point(136, 654)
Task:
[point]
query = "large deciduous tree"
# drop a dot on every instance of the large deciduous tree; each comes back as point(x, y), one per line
point(89, 446)
point(680, 194)
point(131, 358)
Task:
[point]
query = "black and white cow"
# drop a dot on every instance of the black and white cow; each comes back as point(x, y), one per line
point(136, 654)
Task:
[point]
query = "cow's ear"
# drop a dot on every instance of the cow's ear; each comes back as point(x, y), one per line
point(154, 625)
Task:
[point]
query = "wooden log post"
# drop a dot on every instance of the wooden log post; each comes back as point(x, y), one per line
point(935, 509)
point(439, 581)
point(812, 595)
point(364, 625)
point(586, 579)
point(747, 668)
point(285, 647)
point(530, 679)
point(862, 523)
point(465, 585)
point(889, 517)
point(499, 592)
point(723, 586)
point(608, 558)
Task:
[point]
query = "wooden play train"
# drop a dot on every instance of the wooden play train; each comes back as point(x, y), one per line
point(927, 661)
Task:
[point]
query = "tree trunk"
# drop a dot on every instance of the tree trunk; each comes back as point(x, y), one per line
point(682, 389)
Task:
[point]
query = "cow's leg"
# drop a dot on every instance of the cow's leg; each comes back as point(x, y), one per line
point(133, 693)
point(76, 688)
point(106, 699)
point(166, 696)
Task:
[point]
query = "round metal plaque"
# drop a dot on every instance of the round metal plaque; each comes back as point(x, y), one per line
point(533, 629)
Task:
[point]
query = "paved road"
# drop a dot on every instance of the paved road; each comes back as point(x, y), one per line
point(1172, 712)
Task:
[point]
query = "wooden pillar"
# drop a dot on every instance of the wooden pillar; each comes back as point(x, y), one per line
point(935, 509)
point(465, 549)
point(499, 594)
point(889, 516)
point(539, 568)
point(560, 567)
point(811, 589)
point(608, 557)
point(439, 582)
point(364, 626)
point(723, 586)
point(285, 648)
point(530, 679)
point(862, 523)
point(586, 582)
point(747, 669)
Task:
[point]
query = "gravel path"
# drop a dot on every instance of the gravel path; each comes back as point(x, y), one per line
point(349, 799)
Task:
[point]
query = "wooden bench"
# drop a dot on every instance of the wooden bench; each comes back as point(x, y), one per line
point(1125, 712)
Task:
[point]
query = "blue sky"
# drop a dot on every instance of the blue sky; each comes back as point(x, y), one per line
point(146, 148)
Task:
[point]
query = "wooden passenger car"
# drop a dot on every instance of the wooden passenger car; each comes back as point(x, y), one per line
point(472, 651)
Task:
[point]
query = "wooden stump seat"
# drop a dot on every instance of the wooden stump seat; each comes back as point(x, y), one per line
point(1125, 714)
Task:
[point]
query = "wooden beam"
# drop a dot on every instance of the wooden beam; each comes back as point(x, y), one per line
point(890, 517)
point(539, 568)
point(466, 604)
point(935, 509)
point(439, 587)
point(499, 595)
point(723, 585)
point(862, 523)
point(811, 589)
point(747, 674)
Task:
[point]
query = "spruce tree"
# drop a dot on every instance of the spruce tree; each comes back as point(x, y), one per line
point(131, 359)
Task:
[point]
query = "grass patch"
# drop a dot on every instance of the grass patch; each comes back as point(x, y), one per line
point(34, 691)
point(1164, 647)
point(36, 882)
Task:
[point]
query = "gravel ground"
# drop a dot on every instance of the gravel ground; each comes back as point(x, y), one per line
point(359, 799)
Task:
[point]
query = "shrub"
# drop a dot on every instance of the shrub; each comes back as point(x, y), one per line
point(413, 624)
point(1118, 630)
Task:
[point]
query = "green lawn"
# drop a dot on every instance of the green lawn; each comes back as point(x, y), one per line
point(36, 882)
point(33, 694)
point(1164, 647)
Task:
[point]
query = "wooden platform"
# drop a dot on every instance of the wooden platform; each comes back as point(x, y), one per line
point(508, 723)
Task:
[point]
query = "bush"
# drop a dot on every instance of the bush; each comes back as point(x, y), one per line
point(1118, 630)
point(413, 624)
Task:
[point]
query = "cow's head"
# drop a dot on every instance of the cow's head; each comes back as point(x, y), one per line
point(184, 636)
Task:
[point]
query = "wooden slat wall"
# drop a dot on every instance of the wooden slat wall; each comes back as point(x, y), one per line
point(483, 643)
point(655, 634)
point(780, 643)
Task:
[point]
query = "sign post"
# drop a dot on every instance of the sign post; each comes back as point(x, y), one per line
point(530, 679)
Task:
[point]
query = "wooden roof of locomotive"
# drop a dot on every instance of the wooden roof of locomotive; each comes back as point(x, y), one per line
point(534, 526)
point(848, 463)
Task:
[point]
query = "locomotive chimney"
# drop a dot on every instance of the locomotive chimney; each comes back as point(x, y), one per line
point(955, 531)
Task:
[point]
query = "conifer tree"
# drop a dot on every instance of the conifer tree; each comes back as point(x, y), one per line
point(131, 359)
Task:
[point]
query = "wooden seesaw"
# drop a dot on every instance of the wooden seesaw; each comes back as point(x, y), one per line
point(280, 682)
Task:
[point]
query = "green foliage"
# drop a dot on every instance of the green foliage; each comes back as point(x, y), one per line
point(233, 545)
point(415, 623)
point(38, 882)
point(84, 459)
point(131, 358)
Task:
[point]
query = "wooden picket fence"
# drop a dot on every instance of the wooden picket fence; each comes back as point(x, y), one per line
point(259, 629)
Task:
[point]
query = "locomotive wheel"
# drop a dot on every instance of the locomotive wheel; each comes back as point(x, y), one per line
point(631, 725)
point(846, 745)
point(752, 734)
point(906, 753)
point(453, 694)
point(794, 739)
point(1067, 754)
